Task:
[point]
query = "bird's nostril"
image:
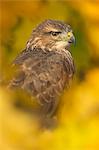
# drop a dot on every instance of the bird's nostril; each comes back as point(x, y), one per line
point(69, 34)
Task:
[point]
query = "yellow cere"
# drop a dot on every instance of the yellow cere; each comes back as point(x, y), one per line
point(69, 34)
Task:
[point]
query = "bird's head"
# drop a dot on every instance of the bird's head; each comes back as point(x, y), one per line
point(52, 34)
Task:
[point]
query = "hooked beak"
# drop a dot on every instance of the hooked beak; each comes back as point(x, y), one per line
point(72, 39)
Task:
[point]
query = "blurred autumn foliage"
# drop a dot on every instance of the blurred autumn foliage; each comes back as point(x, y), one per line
point(78, 115)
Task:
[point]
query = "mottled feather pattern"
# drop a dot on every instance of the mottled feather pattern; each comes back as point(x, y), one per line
point(47, 73)
point(44, 70)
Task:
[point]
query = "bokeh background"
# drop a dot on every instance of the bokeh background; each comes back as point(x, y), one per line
point(78, 115)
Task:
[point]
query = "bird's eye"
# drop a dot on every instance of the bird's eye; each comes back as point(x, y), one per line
point(55, 33)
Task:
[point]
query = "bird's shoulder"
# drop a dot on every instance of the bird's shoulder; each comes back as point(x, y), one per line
point(38, 59)
point(26, 54)
point(35, 54)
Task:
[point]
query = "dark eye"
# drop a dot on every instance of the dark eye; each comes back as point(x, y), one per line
point(55, 33)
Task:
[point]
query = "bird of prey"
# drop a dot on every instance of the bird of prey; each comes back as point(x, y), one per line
point(46, 65)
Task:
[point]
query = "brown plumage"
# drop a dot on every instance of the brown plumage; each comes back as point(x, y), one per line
point(46, 65)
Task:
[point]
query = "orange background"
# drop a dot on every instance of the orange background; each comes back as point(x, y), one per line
point(78, 115)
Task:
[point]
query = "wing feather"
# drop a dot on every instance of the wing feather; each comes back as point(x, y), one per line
point(45, 74)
